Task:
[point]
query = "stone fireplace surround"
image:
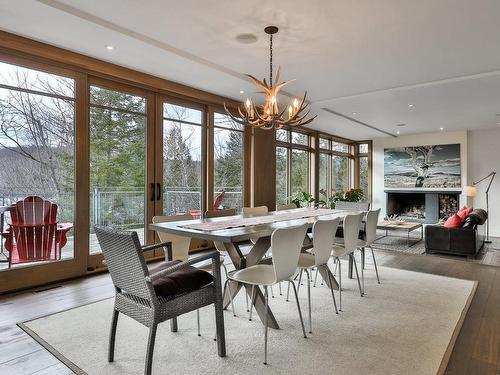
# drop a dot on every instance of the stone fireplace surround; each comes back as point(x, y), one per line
point(422, 206)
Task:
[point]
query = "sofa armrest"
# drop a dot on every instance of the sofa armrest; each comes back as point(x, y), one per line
point(437, 237)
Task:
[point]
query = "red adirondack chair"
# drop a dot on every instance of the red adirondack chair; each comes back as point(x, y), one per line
point(218, 200)
point(34, 234)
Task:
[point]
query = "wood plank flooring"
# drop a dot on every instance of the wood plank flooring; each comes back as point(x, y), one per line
point(477, 350)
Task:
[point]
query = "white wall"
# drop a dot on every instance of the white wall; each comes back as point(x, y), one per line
point(484, 157)
point(379, 144)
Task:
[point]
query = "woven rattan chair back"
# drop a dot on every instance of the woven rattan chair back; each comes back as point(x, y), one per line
point(125, 261)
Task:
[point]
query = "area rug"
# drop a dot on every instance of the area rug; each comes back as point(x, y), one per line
point(406, 325)
point(398, 241)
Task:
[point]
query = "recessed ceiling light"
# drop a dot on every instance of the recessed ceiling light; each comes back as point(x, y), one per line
point(441, 129)
point(354, 113)
point(109, 47)
point(397, 132)
point(246, 38)
point(411, 105)
point(242, 92)
point(498, 123)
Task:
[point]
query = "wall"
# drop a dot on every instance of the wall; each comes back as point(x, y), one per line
point(484, 157)
point(379, 144)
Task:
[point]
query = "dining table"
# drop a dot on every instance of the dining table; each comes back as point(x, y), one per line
point(230, 233)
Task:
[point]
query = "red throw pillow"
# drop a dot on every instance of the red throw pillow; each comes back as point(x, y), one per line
point(454, 221)
point(464, 212)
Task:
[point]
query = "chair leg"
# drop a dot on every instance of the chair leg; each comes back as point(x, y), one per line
point(335, 268)
point(227, 287)
point(309, 299)
point(300, 280)
point(112, 336)
point(198, 320)
point(230, 295)
point(375, 264)
point(288, 292)
point(279, 285)
point(340, 284)
point(298, 308)
point(265, 324)
point(357, 274)
point(331, 289)
point(363, 269)
point(272, 292)
point(246, 298)
point(252, 301)
point(151, 346)
point(316, 277)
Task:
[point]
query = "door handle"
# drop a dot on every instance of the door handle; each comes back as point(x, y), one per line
point(152, 191)
point(158, 191)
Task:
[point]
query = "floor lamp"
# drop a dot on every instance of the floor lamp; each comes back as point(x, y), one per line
point(470, 191)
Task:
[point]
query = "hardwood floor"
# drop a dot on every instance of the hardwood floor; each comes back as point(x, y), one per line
point(476, 352)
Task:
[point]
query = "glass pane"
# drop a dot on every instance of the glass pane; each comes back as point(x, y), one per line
point(342, 147)
point(340, 173)
point(228, 167)
point(324, 143)
point(181, 168)
point(282, 135)
point(363, 148)
point(363, 177)
point(300, 175)
point(224, 121)
point(117, 171)
point(37, 149)
point(176, 112)
point(36, 80)
point(116, 99)
point(323, 177)
point(281, 175)
point(299, 138)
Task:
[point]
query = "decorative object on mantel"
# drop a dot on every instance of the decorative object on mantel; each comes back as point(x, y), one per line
point(471, 191)
point(435, 166)
point(394, 219)
point(270, 116)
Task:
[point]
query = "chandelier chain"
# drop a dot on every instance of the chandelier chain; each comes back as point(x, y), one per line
point(271, 60)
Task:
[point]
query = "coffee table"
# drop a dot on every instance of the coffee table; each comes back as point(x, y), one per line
point(402, 226)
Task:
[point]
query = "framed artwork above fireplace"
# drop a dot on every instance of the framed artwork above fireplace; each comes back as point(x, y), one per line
point(423, 167)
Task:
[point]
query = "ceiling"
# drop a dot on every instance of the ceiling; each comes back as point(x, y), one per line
point(371, 58)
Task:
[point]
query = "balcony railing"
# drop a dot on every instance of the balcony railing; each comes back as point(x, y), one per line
point(125, 208)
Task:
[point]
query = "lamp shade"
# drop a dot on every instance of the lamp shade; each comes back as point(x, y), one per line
point(469, 191)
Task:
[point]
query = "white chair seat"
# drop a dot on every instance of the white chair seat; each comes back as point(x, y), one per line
point(339, 250)
point(306, 260)
point(260, 274)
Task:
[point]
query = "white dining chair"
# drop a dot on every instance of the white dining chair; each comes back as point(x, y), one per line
point(351, 224)
point(286, 244)
point(180, 251)
point(324, 236)
point(288, 206)
point(370, 237)
point(255, 211)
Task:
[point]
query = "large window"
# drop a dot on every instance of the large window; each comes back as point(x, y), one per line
point(37, 146)
point(363, 162)
point(117, 161)
point(228, 161)
point(292, 165)
point(182, 159)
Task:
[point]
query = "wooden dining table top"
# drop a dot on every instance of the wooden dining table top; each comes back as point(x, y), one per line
point(244, 232)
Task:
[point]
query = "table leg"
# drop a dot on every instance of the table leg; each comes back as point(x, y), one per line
point(349, 273)
point(239, 261)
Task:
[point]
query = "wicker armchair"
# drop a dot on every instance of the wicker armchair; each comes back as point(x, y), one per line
point(149, 297)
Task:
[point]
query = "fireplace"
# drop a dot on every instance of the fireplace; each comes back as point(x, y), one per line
point(425, 207)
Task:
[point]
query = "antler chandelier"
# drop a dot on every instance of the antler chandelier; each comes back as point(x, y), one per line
point(269, 115)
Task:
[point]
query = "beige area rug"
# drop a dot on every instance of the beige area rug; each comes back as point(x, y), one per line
point(406, 325)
